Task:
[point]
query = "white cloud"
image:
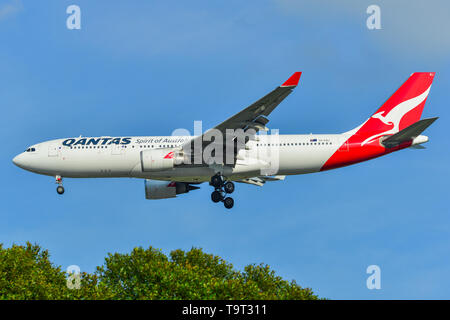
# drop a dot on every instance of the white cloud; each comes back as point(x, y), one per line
point(9, 9)
point(408, 27)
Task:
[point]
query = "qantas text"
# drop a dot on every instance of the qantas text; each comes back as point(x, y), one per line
point(95, 141)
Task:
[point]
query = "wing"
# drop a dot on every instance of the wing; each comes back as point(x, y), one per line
point(253, 117)
point(260, 181)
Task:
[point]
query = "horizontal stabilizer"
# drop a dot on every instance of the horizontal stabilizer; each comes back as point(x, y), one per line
point(408, 133)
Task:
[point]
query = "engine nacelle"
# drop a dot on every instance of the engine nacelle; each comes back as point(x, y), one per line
point(157, 160)
point(155, 189)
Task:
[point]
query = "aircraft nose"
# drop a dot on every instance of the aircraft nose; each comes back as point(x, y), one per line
point(18, 160)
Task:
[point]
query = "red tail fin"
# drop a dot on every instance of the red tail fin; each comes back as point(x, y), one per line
point(401, 110)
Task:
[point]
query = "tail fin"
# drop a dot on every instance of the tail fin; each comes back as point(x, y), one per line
point(401, 110)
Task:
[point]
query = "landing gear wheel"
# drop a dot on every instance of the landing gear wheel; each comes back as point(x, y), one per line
point(216, 181)
point(228, 187)
point(60, 189)
point(216, 196)
point(228, 203)
point(221, 189)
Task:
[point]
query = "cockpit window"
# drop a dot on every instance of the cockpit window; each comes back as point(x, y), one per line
point(30, 150)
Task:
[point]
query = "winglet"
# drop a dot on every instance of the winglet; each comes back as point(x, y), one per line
point(293, 80)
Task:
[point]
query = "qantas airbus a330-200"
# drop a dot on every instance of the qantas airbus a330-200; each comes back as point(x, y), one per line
point(238, 149)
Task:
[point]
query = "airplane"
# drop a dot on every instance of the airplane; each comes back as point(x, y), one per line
point(238, 149)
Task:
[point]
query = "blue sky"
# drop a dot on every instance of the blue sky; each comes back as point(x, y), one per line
point(149, 67)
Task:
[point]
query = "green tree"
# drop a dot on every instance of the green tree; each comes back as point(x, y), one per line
point(27, 273)
point(149, 274)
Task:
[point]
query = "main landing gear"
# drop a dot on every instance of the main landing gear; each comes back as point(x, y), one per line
point(221, 189)
point(59, 188)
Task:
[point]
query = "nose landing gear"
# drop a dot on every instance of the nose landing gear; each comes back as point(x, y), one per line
point(221, 190)
point(59, 188)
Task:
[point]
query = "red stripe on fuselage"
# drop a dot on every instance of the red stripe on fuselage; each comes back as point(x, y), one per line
point(354, 152)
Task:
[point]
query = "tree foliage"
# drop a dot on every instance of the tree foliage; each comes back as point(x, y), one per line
point(27, 273)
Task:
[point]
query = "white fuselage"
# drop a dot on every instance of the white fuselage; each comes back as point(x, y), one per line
point(290, 154)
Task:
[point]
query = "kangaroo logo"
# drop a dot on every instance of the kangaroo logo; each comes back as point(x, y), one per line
point(394, 116)
point(170, 155)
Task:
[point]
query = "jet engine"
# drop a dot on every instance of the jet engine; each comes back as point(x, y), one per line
point(155, 189)
point(160, 159)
